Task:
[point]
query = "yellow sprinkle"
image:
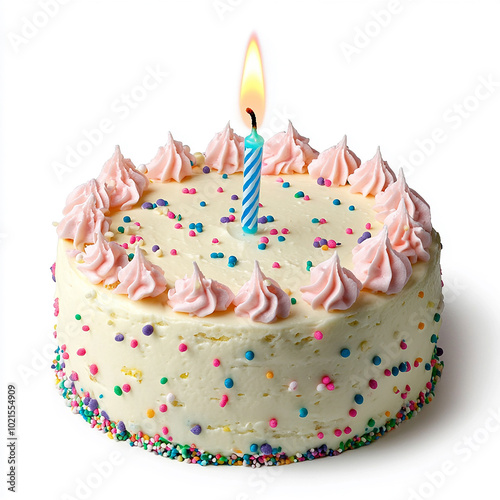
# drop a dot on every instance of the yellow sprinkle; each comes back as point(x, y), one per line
point(184, 375)
point(324, 247)
point(226, 428)
point(150, 413)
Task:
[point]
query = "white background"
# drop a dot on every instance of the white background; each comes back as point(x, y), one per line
point(419, 78)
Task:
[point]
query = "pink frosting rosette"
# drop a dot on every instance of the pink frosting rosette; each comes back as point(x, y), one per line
point(286, 153)
point(387, 201)
point(198, 295)
point(225, 152)
point(125, 183)
point(406, 235)
point(83, 222)
point(335, 164)
point(172, 162)
point(379, 267)
point(332, 286)
point(81, 194)
point(140, 278)
point(261, 299)
point(103, 260)
point(371, 177)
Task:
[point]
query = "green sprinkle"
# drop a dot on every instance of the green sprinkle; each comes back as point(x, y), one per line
point(78, 317)
point(293, 301)
point(299, 194)
point(130, 256)
point(371, 422)
point(118, 390)
point(437, 317)
point(120, 229)
point(163, 380)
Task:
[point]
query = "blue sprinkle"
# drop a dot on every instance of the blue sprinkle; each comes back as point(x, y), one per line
point(395, 370)
point(249, 355)
point(229, 383)
point(281, 238)
point(213, 255)
point(261, 246)
point(286, 185)
point(303, 412)
point(345, 353)
point(376, 360)
point(127, 219)
point(192, 225)
point(224, 176)
point(203, 204)
point(232, 210)
point(402, 367)
point(254, 448)
point(351, 208)
point(220, 255)
point(358, 399)
point(336, 201)
point(270, 218)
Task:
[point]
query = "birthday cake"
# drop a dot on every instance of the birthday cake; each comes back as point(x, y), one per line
point(181, 334)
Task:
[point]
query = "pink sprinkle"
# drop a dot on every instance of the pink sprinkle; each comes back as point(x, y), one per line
point(403, 345)
point(337, 432)
point(173, 251)
point(318, 238)
point(125, 245)
point(322, 221)
point(192, 233)
point(325, 379)
point(138, 238)
point(273, 232)
point(387, 372)
point(328, 182)
point(320, 435)
point(73, 376)
point(306, 197)
point(134, 343)
point(348, 230)
point(264, 239)
point(178, 226)
point(347, 430)
point(85, 328)
point(192, 191)
point(93, 369)
point(170, 215)
point(330, 386)
point(332, 243)
point(163, 409)
point(81, 352)
point(138, 224)
point(232, 218)
point(285, 231)
point(164, 430)
point(185, 190)
point(273, 423)
point(216, 362)
point(408, 388)
point(126, 387)
point(276, 265)
point(223, 401)
point(220, 190)
point(318, 335)
point(373, 384)
point(66, 355)
point(215, 240)
point(279, 179)
point(352, 412)
point(260, 205)
point(183, 347)
point(132, 240)
point(368, 225)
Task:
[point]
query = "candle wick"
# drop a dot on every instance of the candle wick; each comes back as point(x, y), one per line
point(254, 119)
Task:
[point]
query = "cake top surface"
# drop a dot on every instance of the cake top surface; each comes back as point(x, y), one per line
point(181, 213)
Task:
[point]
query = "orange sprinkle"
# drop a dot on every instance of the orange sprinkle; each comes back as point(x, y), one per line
point(269, 374)
point(420, 294)
point(421, 326)
point(150, 413)
point(387, 413)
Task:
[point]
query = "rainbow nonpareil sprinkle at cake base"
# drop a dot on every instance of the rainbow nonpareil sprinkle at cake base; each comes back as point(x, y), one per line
point(181, 334)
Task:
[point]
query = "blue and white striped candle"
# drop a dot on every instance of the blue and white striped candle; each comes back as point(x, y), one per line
point(251, 178)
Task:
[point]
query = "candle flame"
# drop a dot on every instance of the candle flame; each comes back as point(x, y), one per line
point(252, 91)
